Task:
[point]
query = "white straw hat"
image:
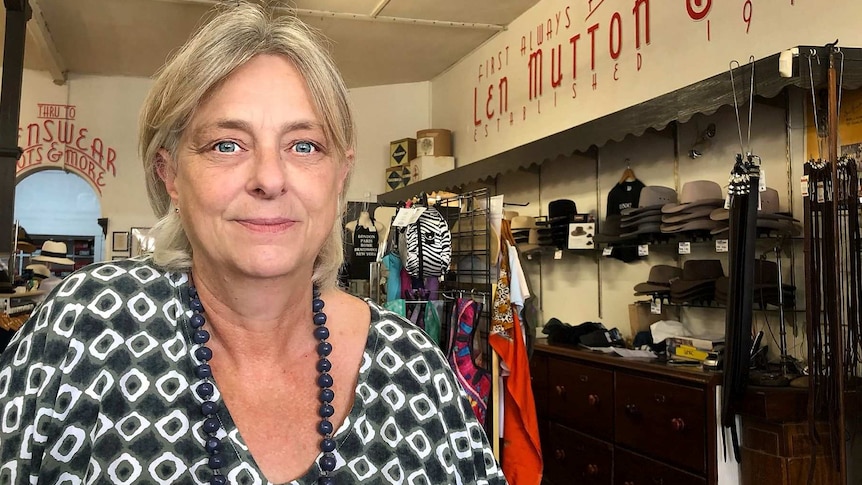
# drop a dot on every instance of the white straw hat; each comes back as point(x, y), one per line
point(54, 252)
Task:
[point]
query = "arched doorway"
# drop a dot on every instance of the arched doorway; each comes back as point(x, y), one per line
point(62, 206)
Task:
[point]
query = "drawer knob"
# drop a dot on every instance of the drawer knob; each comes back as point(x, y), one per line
point(560, 454)
point(632, 410)
point(561, 390)
point(678, 424)
point(593, 399)
point(592, 470)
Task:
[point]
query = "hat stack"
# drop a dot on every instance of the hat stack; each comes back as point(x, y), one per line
point(612, 231)
point(24, 243)
point(659, 281)
point(645, 219)
point(769, 217)
point(526, 233)
point(696, 202)
point(765, 286)
point(555, 230)
point(698, 281)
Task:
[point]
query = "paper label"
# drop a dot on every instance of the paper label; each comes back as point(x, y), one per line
point(407, 216)
point(727, 202)
point(655, 306)
point(643, 250)
point(721, 245)
point(761, 185)
point(607, 251)
point(685, 247)
point(558, 254)
point(821, 192)
point(804, 182)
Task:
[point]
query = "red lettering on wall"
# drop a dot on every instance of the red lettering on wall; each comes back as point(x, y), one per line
point(476, 120)
point(698, 9)
point(489, 112)
point(535, 76)
point(574, 41)
point(556, 66)
point(637, 11)
point(504, 94)
point(56, 141)
point(592, 31)
point(615, 41)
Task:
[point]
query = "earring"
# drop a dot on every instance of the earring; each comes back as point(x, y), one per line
point(176, 210)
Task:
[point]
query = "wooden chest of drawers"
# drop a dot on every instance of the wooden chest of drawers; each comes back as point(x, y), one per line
point(608, 420)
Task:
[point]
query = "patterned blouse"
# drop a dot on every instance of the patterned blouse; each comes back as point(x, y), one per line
point(98, 387)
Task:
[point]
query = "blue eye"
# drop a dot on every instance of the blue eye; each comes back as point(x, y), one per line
point(226, 147)
point(305, 147)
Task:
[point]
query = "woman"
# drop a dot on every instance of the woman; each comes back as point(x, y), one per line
point(229, 356)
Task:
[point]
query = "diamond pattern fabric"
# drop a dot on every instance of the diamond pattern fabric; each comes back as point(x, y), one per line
point(98, 387)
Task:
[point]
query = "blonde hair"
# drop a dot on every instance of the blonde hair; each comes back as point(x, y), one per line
point(232, 37)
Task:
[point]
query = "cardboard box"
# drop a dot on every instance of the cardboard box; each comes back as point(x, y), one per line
point(436, 142)
point(422, 168)
point(397, 177)
point(402, 151)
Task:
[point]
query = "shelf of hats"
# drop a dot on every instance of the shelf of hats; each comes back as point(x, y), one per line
point(41, 261)
point(655, 228)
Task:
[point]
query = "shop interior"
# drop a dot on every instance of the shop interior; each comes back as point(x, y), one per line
point(658, 286)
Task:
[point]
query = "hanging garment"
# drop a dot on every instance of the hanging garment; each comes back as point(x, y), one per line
point(433, 312)
point(522, 451)
point(363, 252)
point(475, 380)
point(393, 281)
point(398, 306)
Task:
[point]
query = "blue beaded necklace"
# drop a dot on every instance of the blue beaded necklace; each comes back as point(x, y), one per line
point(210, 409)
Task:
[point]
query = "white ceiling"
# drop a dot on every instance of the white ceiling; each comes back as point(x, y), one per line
point(374, 42)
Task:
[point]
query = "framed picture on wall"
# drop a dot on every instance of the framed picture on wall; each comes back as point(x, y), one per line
point(142, 243)
point(120, 242)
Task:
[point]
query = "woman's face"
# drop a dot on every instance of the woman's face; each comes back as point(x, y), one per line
point(254, 178)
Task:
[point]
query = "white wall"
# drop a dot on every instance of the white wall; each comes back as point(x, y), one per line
point(383, 114)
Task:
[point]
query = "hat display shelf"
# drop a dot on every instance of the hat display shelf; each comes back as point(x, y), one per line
point(79, 249)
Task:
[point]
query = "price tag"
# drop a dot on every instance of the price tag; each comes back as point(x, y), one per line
point(643, 250)
point(558, 254)
point(761, 184)
point(685, 247)
point(407, 216)
point(821, 192)
point(727, 202)
point(804, 182)
point(607, 251)
point(655, 306)
point(721, 245)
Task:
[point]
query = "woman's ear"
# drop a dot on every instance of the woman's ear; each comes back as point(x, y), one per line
point(166, 168)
